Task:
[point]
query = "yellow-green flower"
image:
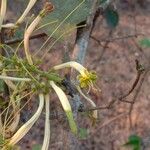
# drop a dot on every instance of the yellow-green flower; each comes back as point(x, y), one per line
point(85, 78)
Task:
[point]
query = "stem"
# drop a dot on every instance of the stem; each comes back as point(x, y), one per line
point(14, 78)
point(9, 83)
point(47, 124)
point(1, 124)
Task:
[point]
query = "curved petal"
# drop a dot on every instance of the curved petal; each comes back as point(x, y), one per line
point(90, 101)
point(66, 106)
point(27, 126)
point(72, 64)
point(47, 124)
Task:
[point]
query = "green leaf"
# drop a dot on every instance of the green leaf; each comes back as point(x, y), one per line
point(68, 14)
point(134, 142)
point(112, 17)
point(19, 34)
point(103, 1)
point(83, 133)
point(145, 42)
point(36, 147)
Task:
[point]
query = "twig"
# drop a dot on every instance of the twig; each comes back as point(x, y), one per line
point(111, 120)
point(105, 47)
point(98, 108)
point(14, 41)
point(135, 97)
point(115, 38)
point(140, 70)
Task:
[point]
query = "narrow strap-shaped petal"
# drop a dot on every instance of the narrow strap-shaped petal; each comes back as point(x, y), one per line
point(2, 11)
point(71, 64)
point(47, 124)
point(26, 11)
point(66, 106)
point(90, 101)
point(27, 126)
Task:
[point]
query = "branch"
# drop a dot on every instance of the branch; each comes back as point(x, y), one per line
point(140, 69)
point(115, 38)
point(135, 97)
point(14, 41)
point(83, 35)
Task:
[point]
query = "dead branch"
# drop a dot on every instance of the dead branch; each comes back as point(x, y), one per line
point(14, 41)
point(83, 35)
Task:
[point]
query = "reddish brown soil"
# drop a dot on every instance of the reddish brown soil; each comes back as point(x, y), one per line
point(117, 72)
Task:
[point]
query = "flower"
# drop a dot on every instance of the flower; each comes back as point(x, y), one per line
point(85, 78)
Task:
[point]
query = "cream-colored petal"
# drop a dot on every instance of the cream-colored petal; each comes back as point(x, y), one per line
point(72, 64)
point(28, 8)
point(95, 113)
point(27, 126)
point(47, 124)
point(2, 11)
point(66, 106)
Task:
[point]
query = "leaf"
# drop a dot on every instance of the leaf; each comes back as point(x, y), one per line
point(145, 42)
point(36, 147)
point(19, 34)
point(83, 133)
point(134, 142)
point(103, 1)
point(112, 17)
point(68, 14)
